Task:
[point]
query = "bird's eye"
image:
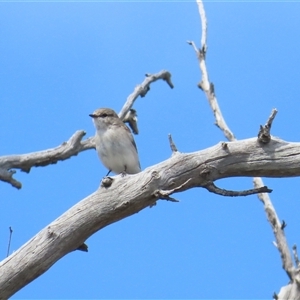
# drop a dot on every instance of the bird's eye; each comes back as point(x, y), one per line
point(103, 116)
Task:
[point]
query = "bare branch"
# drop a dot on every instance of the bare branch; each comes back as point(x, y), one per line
point(271, 118)
point(25, 162)
point(74, 145)
point(83, 247)
point(203, 24)
point(9, 240)
point(7, 176)
point(107, 205)
point(143, 88)
point(205, 84)
point(165, 194)
point(281, 243)
point(209, 91)
point(172, 145)
point(296, 258)
point(214, 189)
point(283, 225)
point(264, 135)
point(290, 291)
point(131, 119)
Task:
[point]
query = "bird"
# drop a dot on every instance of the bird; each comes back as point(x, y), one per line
point(114, 143)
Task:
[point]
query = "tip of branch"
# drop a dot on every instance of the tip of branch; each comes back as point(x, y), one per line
point(83, 247)
point(264, 135)
point(172, 144)
point(7, 176)
point(167, 79)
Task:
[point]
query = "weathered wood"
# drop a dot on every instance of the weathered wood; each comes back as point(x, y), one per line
point(132, 193)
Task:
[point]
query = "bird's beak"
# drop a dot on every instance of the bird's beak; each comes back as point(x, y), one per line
point(92, 116)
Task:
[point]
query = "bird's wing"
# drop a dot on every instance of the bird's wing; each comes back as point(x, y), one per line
point(131, 138)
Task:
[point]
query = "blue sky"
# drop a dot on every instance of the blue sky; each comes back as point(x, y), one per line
point(61, 61)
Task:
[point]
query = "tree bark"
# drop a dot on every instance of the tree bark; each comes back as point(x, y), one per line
point(130, 194)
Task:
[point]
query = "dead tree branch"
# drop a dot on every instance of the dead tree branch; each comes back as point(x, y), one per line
point(263, 137)
point(9, 240)
point(211, 187)
point(143, 88)
point(25, 162)
point(172, 145)
point(74, 145)
point(281, 242)
point(296, 258)
point(106, 206)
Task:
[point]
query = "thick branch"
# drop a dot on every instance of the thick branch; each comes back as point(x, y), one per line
point(25, 162)
point(108, 205)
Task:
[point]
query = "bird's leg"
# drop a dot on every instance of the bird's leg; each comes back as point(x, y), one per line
point(108, 173)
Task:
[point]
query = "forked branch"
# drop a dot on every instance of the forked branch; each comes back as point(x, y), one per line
point(263, 137)
point(74, 145)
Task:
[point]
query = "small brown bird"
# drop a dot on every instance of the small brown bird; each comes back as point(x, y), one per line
point(114, 143)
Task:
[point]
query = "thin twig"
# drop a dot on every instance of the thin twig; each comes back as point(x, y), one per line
point(165, 194)
point(216, 190)
point(131, 119)
point(283, 225)
point(281, 242)
point(272, 117)
point(172, 145)
point(209, 91)
point(9, 240)
point(203, 24)
point(143, 88)
point(264, 135)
